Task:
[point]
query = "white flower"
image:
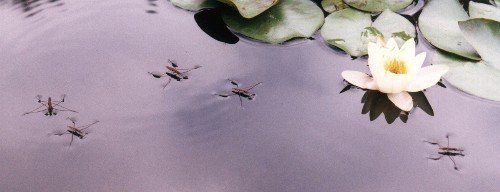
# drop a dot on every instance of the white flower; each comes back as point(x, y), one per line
point(396, 72)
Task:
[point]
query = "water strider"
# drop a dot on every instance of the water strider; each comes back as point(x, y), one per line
point(447, 151)
point(173, 72)
point(76, 131)
point(241, 92)
point(50, 107)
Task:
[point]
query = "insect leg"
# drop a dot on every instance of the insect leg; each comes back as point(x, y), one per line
point(225, 95)
point(173, 63)
point(35, 110)
point(63, 108)
point(87, 126)
point(57, 102)
point(71, 142)
point(448, 138)
point(168, 82)
point(241, 100)
point(454, 164)
point(251, 87)
point(59, 133)
point(187, 70)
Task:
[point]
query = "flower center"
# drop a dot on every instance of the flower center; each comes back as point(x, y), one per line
point(395, 66)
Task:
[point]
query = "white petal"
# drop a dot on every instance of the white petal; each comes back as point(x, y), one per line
point(380, 41)
point(391, 45)
point(427, 77)
point(415, 64)
point(373, 49)
point(402, 100)
point(388, 82)
point(375, 60)
point(359, 79)
point(407, 51)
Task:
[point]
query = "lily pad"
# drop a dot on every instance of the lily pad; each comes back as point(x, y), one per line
point(331, 6)
point(393, 25)
point(477, 78)
point(282, 22)
point(378, 5)
point(343, 29)
point(250, 8)
point(438, 22)
point(351, 30)
point(481, 10)
point(194, 5)
point(484, 36)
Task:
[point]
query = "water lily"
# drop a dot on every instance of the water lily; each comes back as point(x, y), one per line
point(396, 72)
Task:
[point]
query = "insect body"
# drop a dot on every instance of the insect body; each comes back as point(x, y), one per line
point(241, 92)
point(76, 131)
point(447, 151)
point(173, 72)
point(50, 107)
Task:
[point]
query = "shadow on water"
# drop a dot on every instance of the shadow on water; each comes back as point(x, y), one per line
point(465, 3)
point(210, 21)
point(34, 7)
point(223, 114)
point(375, 103)
point(153, 5)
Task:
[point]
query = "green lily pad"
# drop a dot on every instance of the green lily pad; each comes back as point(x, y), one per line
point(393, 25)
point(480, 78)
point(481, 10)
point(475, 78)
point(250, 8)
point(351, 30)
point(343, 29)
point(331, 6)
point(282, 22)
point(438, 22)
point(484, 36)
point(194, 5)
point(378, 5)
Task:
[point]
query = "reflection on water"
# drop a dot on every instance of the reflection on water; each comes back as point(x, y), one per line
point(211, 22)
point(376, 103)
point(300, 135)
point(33, 7)
point(465, 3)
point(153, 7)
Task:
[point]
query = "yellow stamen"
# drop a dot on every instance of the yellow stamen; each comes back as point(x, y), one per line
point(395, 66)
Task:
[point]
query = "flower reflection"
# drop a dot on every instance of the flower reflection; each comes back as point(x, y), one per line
point(375, 103)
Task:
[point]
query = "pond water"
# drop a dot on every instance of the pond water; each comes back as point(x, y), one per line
point(298, 134)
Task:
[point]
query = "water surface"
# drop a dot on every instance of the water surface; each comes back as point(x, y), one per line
point(299, 134)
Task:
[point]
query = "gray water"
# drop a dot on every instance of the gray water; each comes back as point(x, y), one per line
point(299, 134)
